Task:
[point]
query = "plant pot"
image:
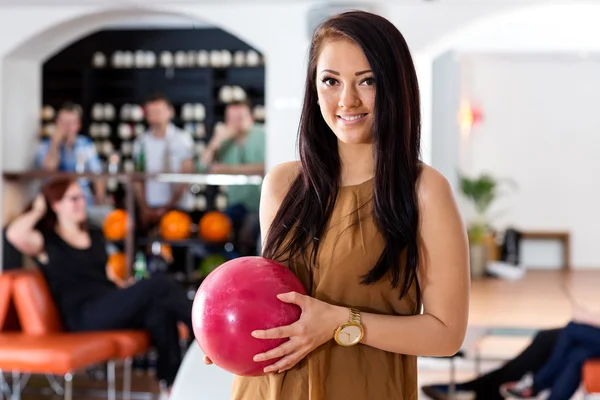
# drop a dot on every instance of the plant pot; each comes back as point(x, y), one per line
point(478, 257)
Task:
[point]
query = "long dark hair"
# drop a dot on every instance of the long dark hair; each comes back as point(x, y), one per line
point(307, 207)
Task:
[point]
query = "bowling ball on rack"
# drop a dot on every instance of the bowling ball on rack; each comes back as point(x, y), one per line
point(175, 225)
point(214, 227)
point(115, 225)
point(117, 264)
point(237, 298)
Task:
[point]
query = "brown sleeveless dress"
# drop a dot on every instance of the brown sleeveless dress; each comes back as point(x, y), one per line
point(350, 247)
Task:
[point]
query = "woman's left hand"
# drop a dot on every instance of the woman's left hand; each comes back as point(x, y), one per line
point(316, 326)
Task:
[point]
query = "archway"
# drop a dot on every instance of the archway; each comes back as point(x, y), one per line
point(544, 33)
point(545, 28)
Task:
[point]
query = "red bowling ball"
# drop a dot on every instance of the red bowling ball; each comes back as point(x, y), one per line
point(238, 297)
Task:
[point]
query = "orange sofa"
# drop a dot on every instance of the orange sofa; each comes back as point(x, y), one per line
point(41, 346)
point(38, 316)
point(591, 377)
point(59, 354)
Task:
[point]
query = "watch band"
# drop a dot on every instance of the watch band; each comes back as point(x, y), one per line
point(354, 316)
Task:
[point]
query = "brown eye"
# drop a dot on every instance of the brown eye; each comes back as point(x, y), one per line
point(369, 81)
point(329, 81)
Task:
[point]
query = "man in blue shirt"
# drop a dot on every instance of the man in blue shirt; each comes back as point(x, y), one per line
point(68, 151)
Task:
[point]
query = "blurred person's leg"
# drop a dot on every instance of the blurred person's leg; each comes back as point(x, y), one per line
point(155, 305)
point(487, 386)
point(562, 371)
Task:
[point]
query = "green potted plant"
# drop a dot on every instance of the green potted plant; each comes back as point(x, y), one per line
point(481, 191)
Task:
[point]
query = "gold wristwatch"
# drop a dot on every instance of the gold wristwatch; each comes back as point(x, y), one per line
point(350, 333)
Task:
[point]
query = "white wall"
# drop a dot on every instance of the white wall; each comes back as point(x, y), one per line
point(541, 129)
point(445, 137)
point(277, 29)
point(21, 129)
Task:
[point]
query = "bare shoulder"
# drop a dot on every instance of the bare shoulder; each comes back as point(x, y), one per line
point(433, 188)
point(275, 186)
point(279, 179)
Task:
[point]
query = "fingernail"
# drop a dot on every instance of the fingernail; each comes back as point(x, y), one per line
point(255, 334)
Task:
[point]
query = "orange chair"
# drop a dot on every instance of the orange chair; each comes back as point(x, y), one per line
point(48, 354)
point(39, 316)
point(591, 377)
point(5, 289)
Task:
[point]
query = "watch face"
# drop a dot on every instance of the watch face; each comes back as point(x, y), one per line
point(349, 335)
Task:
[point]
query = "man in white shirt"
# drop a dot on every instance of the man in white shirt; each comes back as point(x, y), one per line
point(166, 148)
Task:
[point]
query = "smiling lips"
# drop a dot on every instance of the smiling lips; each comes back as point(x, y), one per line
point(350, 119)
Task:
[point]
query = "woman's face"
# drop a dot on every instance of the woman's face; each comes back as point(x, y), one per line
point(72, 206)
point(346, 91)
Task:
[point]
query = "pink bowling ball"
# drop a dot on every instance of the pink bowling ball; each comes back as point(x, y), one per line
point(238, 297)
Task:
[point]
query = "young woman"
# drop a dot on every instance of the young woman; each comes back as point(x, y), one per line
point(373, 233)
point(73, 259)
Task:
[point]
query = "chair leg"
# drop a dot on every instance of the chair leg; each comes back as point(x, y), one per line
point(127, 378)
point(4, 388)
point(110, 375)
point(68, 386)
point(55, 385)
point(452, 386)
point(16, 389)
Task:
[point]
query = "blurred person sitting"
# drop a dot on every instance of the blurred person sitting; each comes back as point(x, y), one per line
point(73, 259)
point(165, 149)
point(238, 147)
point(69, 151)
point(560, 375)
point(516, 377)
point(487, 386)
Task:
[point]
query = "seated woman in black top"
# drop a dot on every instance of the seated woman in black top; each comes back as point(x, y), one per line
point(73, 259)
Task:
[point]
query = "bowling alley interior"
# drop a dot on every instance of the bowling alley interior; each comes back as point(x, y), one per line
point(151, 126)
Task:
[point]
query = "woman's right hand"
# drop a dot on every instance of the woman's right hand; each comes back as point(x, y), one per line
point(39, 204)
point(207, 360)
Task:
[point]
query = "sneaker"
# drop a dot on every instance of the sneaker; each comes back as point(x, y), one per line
point(440, 392)
point(522, 389)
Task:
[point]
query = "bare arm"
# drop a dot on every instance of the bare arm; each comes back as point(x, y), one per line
point(23, 235)
point(52, 158)
point(274, 188)
point(122, 283)
point(444, 277)
point(221, 135)
point(100, 189)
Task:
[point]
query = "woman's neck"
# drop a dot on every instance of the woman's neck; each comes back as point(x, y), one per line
point(67, 228)
point(357, 164)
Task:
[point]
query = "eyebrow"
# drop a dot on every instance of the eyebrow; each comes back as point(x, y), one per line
point(338, 74)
